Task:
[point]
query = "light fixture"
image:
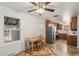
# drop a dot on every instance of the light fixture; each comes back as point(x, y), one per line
point(40, 11)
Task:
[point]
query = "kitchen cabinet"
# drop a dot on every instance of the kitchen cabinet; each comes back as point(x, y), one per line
point(62, 36)
point(59, 26)
point(72, 40)
point(73, 24)
point(49, 22)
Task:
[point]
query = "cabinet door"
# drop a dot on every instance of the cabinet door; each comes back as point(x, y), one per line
point(73, 24)
point(75, 40)
point(72, 40)
point(59, 26)
point(62, 36)
point(69, 40)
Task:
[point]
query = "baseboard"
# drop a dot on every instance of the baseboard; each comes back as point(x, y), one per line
point(19, 52)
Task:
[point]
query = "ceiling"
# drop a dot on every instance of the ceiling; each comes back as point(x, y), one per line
point(60, 9)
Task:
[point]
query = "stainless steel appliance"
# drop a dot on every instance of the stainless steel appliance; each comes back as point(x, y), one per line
point(51, 34)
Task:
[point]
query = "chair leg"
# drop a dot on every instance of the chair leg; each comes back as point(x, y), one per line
point(37, 47)
point(29, 51)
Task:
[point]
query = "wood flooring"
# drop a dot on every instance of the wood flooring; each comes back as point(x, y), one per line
point(42, 52)
point(59, 48)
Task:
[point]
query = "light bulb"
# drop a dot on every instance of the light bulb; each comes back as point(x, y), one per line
point(40, 10)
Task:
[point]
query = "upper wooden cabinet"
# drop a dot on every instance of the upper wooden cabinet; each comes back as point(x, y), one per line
point(73, 24)
point(50, 22)
point(59, 26)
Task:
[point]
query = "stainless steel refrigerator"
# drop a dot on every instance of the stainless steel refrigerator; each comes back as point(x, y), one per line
point(50, 34)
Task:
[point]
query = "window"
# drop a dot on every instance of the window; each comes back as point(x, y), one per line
point(11, 29)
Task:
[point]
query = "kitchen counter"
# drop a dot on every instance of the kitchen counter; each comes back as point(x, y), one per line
point(61, 31)
point(72, 33)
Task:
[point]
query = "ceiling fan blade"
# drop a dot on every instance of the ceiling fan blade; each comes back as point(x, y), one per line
point(47, 9)
point(34, 3)
point(46, 3)
point(32, 10)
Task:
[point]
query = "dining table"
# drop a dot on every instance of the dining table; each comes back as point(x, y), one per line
point(33, 40)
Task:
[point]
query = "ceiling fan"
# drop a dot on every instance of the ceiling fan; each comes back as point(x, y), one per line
point(40, 7)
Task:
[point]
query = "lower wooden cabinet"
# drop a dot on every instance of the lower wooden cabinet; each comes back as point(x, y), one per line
point(72, 40)
point(62, 36)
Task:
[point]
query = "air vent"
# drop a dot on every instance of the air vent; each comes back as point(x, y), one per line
point(56, 16)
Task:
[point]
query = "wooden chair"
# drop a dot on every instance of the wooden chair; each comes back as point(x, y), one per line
point(41, 43)
point(27, 46)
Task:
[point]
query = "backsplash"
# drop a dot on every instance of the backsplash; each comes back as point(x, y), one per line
point(72, 32)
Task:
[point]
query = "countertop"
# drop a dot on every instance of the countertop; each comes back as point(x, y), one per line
point(73, 33)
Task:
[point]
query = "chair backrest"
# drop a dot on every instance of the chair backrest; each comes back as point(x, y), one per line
point(27, 42)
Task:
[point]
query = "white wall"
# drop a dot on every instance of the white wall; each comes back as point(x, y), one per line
point(66, 18)
point(77, 31)
point(29, 25)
